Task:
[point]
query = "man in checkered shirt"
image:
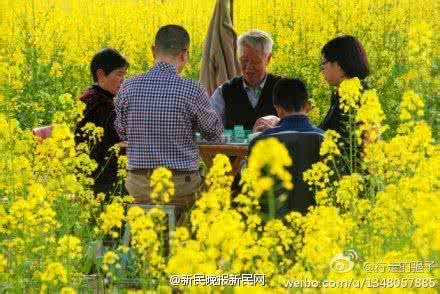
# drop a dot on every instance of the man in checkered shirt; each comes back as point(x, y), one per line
point(158, 113)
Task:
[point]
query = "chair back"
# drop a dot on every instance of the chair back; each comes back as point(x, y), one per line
point(303, 148)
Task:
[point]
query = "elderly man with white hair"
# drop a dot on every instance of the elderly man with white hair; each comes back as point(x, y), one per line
point(245, 99)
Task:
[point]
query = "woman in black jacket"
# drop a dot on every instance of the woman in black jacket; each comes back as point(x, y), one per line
point(108, 68)
point(343, 58)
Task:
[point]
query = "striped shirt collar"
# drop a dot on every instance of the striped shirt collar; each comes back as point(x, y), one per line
point(259, 87)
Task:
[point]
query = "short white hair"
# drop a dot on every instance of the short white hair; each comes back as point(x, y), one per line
point(256, 39)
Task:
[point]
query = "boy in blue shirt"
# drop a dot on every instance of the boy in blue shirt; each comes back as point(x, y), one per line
point(291, 102)
point(301, 138)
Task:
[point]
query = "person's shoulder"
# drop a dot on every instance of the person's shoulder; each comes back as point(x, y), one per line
point(271, 80)
point(134, 80)
point(92, 97)
point(238, 80)
point(264, 135)
point(88, 94)
point(191, 83)
point(273, 77)
point(218, 92)
point(270, 131)
point(132, 84)
point(318, 130)
point(193, 86)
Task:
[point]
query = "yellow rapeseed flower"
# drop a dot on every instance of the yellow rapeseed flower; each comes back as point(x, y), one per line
point(56, 70)
point(111, 219)
point(68, 290)
point(350, 93)
point(370, 117)
point(318, 175)
point(217, 175)
point(109, 258)
point(269, 158)
point(70, 247)
point(329, 147)
point(349, 187)
point(411, 111)
point(3, 263)
point(162, 185)
point(54, 274)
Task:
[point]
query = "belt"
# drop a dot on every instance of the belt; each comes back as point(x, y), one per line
point(173, 171)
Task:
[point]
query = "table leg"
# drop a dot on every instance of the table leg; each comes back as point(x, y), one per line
point(235, 163)
point(207, 159)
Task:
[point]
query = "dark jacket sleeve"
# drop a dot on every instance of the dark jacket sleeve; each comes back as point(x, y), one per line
point(108, 123)
point(103, 115)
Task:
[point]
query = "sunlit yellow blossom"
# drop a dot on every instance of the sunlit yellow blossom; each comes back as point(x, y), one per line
point(54, 274)
point(122, 168)
point(56, 70)
point(69, 247)
point(318, 175)
point(3, 263)
point(67, 290)
point(420, 38)
point(389, 218)
point(276, 233)
point(181, 234)
point(386, 212)
point(269, 157)
point(348, 190)
point(329, 147)
point(92, 133)
point(325, 234)
point(146, 231)
point(109, 258)
point(401, 155)
point(32, 216)
point(162, 185)
point(411, 111)
point(216, 176)
point(111, 218)
point(322, 197)
point(350, 93)
point(370, 117)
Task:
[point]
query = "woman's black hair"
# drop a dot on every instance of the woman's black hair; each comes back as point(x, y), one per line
point(107, 59)
point(349, 53)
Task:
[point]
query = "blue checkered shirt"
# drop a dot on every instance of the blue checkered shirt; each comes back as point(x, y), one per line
point(158, 113)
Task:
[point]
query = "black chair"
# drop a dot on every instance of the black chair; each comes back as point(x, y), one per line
point(304, 148)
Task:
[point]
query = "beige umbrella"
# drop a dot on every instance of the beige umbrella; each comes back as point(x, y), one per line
point(219, 63)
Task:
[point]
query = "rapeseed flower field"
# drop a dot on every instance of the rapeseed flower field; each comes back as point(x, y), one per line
point(377, 224)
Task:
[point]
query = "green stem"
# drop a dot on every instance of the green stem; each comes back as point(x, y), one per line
point(271, 203)
point(336, 169)
point(350, 136)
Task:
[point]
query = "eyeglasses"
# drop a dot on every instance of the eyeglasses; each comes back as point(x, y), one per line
point(321, 65)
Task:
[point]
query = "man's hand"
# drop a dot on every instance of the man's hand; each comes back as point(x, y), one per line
point(265, 122)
